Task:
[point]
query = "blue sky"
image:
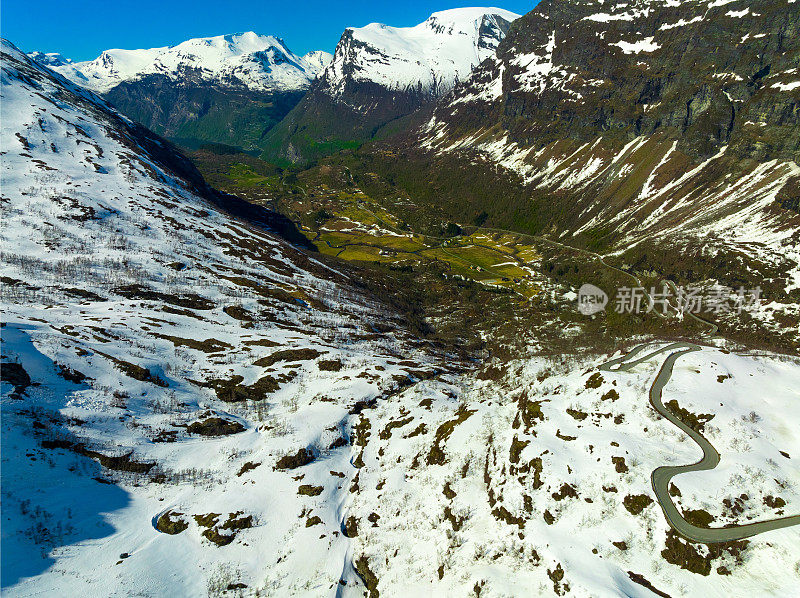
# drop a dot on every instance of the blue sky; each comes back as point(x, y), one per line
point(81, 29)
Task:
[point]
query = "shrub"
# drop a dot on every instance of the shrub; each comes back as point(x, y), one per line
point(288, 355)
point(215, 426)
point(594, 381)
point(309, 490)
point(333, 365)
point(171, 523)
point(636, 503)
point(299, 459)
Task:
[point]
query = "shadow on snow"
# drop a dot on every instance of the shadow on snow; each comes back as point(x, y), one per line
point(51, 498)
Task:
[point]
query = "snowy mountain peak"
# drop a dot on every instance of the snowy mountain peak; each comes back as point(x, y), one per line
point(431, 56)
point(463, 19)
point(249, 60)
point(380, 73)
point(49, 59)
point(319, 59)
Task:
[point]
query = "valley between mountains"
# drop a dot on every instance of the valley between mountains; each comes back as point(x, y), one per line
point(283, 325)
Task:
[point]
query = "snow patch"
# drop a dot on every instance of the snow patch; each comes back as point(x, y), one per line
point(644, 45)
point(786, 86)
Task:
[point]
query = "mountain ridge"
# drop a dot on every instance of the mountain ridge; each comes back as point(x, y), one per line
point(694, 67)
point(249, 60)
point(429, 57)
point(381, 73)
point(228, 89)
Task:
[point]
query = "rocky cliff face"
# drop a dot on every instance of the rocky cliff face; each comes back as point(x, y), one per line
point(641, 120)
point(195, 113)
point(709, 74)
point(381, 73)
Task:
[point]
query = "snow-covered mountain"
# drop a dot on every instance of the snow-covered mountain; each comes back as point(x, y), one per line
point(260, 62)
point(61, 64)
point(51, 60)
point(644, 122)
point(228, 89)
point(381, 73)
point(428, 58)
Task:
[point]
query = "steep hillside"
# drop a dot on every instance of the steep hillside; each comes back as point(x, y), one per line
point(166, 360)
point(226, 89)
point(381, 73)
point(623, 109)
point(663, 134)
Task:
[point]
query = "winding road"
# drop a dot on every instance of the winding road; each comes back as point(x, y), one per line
point(661, 476)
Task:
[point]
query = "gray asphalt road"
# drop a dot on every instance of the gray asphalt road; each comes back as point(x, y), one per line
point(661, 476)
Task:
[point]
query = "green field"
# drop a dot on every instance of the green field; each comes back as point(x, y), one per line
point(343, 221)
point(499, 260)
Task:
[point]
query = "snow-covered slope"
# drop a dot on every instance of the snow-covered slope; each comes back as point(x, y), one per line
point(430, 57)
point(175, 354)
point(190, 407)
point(260, 62)
point(538, 483)
point(318, 59)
